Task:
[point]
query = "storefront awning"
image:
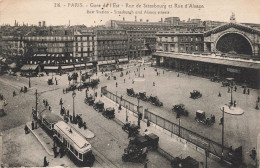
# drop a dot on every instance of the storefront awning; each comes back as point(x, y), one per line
point(29, 67)
point(67, 67)
point(80, 65)
point(51, 67)
point(111, 62)
point(123, 60)
point(89, 64)
point(102, 62)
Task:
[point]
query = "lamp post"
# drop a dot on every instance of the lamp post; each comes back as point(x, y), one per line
point(126, 116)
point(73, 96)
point(222, 123)
point(30, 78)
point(138, 113)
point(61, 103)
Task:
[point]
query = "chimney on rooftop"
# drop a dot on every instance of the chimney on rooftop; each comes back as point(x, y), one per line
point(161, 19)
point(14, 22)
point(135, 18)
point(123, 18)
point(147, 20)
point(43, 23)
point(141, 20)
point(40, 24)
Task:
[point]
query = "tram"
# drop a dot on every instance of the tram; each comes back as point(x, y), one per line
point(79, 149)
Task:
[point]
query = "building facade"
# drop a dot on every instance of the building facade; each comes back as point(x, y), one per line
point(230, 51)
point(85, 47)
point(112, 45)
point(179, 42)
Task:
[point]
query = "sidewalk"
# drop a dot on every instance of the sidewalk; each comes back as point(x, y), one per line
point(170, 145)
point(43, 138)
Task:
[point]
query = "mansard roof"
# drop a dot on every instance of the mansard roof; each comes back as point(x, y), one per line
point(234, 25)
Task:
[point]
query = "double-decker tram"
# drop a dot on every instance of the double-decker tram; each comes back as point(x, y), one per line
point(79, 149)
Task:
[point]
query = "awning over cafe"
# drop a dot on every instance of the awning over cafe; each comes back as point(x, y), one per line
point(51, 67)
point(29, 67)
point(67, 67)
point(123, 60)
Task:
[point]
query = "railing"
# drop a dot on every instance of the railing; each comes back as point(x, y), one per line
point(190, 136)
point(116, 98)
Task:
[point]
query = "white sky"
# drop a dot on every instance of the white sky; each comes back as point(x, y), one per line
point(32, 11)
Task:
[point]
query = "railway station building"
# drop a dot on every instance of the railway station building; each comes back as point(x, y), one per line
point(227, 51)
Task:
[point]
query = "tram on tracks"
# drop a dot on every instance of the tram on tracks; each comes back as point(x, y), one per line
point(79, 149)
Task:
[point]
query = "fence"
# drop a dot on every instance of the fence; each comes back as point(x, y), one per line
point(118, 99)
point(190, 136)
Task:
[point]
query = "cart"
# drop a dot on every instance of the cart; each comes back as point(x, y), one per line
point(99, 106)
point(109, 113)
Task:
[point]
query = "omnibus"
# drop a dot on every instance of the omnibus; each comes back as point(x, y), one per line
point(79, 149)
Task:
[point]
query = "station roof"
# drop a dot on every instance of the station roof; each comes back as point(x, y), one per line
point(229, 25)
point(213, 59)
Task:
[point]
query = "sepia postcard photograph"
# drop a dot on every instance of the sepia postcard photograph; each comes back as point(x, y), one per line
point(130, 83)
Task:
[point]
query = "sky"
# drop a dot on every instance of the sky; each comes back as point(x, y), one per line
point(33, 11)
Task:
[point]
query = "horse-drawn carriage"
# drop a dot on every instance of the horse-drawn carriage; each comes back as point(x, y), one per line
point(180, 110)
point(72, 87)
point(50, 82)
point(155, 101)
point(142, 96)
point(131, 129)
point(195, 94)
point(201, 118)
point(89, 100)
point(99, 106)
point(130, 92)
point(109, 113)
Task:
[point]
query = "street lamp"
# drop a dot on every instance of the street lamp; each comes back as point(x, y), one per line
point(73, 96)
point(139, 118)
point(61, 103)
point(179, 117)
point(126, 117)
point(30, 78)
point(222, 123)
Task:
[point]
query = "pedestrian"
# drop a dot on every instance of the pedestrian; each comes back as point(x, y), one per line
point(45, 163)
point(26, 129)
point(14, 93)
point(32, 124)
point(148, 123)
point(258, 99)
point(235, 89)
point(133, 81)
point(248, 91)
point(55, 151)
point(124, 80)
point(63, 91)
point(50, 108)
point(256, 106)
point(178, 75)
point(244, 91)
point(235, 103)
point(116, 84)
point(56, 82)
point(228, 89)
point(68, 112)
point(153, 83)
point(253, 154)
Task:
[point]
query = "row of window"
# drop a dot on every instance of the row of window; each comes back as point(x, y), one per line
point(88, 38)
point(83, 49)
point(180, 38)
point(85, 44)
